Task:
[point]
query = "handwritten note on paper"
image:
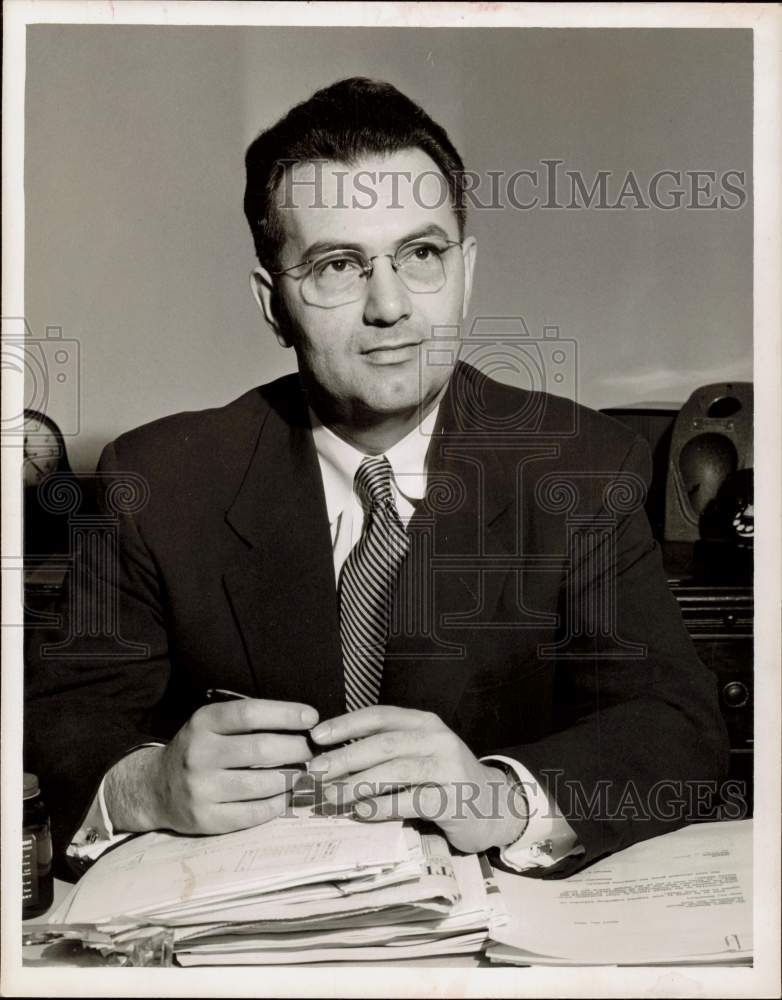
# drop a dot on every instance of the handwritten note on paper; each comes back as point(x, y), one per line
point(163, 871)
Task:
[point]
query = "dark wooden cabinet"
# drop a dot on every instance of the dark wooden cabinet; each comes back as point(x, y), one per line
point(719, 617)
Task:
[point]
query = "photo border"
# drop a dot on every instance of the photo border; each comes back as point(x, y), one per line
point(760, 980)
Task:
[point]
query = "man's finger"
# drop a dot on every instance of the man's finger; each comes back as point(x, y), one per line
point(247, 785)
point(369, 752)
point(375, 719)
point(250, 715)
point(387, 778)
point(261, 750)
point(242, 815)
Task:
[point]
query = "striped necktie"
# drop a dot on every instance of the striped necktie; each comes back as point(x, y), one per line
point(368, 584)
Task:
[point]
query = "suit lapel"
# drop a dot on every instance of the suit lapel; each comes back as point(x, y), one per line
point(445, 590)
point(282, 591)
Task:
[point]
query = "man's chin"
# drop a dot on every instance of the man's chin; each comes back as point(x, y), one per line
point(388, 397)
point(388, 407)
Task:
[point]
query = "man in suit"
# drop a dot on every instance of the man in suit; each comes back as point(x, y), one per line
point(439, 593)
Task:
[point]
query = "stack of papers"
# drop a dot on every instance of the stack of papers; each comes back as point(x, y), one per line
point(310, 888)
point(297, 889)
point(681, 899)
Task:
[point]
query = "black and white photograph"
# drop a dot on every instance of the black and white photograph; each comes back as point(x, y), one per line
point(391, 400)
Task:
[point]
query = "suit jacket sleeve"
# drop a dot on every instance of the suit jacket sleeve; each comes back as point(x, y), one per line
point(638, 732)
point(93, 682)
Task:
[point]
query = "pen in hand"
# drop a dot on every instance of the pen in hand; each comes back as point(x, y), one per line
point(304, 790)
point(216, 696)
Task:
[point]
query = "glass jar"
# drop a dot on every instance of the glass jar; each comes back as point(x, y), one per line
point(37, 881)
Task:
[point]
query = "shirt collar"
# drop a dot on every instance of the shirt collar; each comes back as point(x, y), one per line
point(339, 462)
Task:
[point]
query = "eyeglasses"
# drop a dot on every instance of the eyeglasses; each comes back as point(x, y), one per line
point(339, 277)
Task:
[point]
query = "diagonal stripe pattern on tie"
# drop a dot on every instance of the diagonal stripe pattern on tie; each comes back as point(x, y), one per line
point(368, 584)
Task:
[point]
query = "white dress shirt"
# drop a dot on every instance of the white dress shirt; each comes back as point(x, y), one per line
point(547, 837)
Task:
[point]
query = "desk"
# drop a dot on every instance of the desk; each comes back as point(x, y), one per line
point(708, 864)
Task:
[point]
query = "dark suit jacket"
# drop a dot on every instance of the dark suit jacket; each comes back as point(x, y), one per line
point(535, 620)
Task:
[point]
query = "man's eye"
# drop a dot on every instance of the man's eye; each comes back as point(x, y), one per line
point(332, 266)
point(420, 252)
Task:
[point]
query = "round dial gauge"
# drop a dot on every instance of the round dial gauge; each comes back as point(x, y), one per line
point(42, 449)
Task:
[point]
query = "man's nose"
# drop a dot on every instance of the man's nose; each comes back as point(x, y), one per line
point(387, 301)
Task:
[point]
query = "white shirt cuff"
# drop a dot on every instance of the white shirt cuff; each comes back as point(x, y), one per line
point(548, 837)
point(96, 832)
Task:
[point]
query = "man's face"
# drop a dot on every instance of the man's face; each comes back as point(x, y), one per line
point(372, 360)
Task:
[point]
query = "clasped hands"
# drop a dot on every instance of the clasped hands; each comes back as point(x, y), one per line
point(403, 763)
point(229, 768)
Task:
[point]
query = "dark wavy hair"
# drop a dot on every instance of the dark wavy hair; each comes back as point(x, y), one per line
point(344, 122)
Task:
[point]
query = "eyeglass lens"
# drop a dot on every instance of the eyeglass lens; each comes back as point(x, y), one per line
point(337, 278)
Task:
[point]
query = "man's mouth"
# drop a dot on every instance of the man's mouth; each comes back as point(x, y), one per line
point(393, 353)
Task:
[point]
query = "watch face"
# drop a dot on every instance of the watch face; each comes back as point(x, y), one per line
point(41, 451)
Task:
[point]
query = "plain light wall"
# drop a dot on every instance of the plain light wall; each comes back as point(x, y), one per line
point(136, 241)
point(137, 246)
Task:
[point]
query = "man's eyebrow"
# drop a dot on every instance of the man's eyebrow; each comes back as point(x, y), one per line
point(326, 246)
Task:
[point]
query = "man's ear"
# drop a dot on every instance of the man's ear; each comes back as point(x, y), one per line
point(263, 291)
point(469, 250)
